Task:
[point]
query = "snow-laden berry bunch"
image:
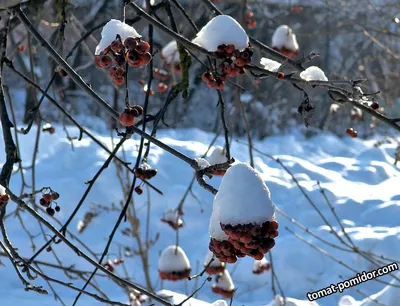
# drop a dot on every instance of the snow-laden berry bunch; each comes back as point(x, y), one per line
point(225, 37)
point(243, 219)
point(121, 44)
point(172, 218)
point(218, 156)
point(284, 41)
point(173, 264)
point(224, 285)
point(216, 266)
point(48, 199)
point(4, 197)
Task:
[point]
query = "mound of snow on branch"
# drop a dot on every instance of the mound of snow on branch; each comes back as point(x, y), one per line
point(224, 281)
point(173, 258)
point(215, 229)
point(243, 197)
point(270, 64)
point(110, 31)
point(284, 37)
point(215, 262)
point(217, 156)
point(220, 30)
point(170, 53)
point(313, 73)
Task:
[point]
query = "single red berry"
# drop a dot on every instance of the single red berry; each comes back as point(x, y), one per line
point(145, 58)
point(97, 61)
point(130, 43)
point(240, 62)
point(50, 211)
point(61, 72)
point(207, 76)
point(230, 49)
point(112, 71)
point(351, 132)
point(127, 118)
point(132, 57)
point(143, 47)
point(138, 190)
point(5, 198)
point(57, 208)
point(116, 45)
point(43, 202)
point(55, 195)
point(118, 80)
point(375, 105)
point(47, 197)
point(219, 84)
point(120, 72)
point(280, 75)
point(106, 61)
point(48, 249)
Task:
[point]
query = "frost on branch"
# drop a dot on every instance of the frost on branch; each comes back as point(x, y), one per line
point(221, 30)
point(224, 285)
point(270, 65)
point(285, 42)
point(216, 265)
point(246, 216)
point(110, 31)
point(313, 73)
point(173, 264)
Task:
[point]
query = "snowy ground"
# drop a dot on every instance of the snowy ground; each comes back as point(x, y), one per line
point(360, 180)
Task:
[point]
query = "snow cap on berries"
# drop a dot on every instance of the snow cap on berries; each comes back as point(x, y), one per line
point(243, 197)
point(313, 73)
point(222, 29)
point(260, 264)
point(214, 228)
point(219, 303)
point(217, 156)
point(110, 31)
point(173, 259)
point(224, 281)
point(215, 263)
point(284, 37)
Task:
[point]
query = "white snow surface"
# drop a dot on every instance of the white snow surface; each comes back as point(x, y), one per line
point(2, 190)
point(217, 156)
point(170, 261)
point(243, 197)
point(360, 180)
point(284, 37)
point(291, 302)
point(224, 281)
point(110, 31)
point(170, 53)
point(313, 73)
point(219, 303)
point(222, 29)
point(215, 231)
point(215, 263)
point(270, 64)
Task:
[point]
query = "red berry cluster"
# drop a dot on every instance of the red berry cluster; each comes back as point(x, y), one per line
point(245, 240)
point(133, 51)
point(232, 64)
point(351, 132)
point(145, 174)
point(212, 270)
point(47, 200)
point(250, 22)
point(225, 293)
point(4, 199)
point(127, 117)
point(175, 275)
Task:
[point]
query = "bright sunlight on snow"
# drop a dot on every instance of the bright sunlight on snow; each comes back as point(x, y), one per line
point(313, 73)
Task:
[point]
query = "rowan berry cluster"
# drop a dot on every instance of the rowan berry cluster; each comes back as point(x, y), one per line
point(47, 200)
